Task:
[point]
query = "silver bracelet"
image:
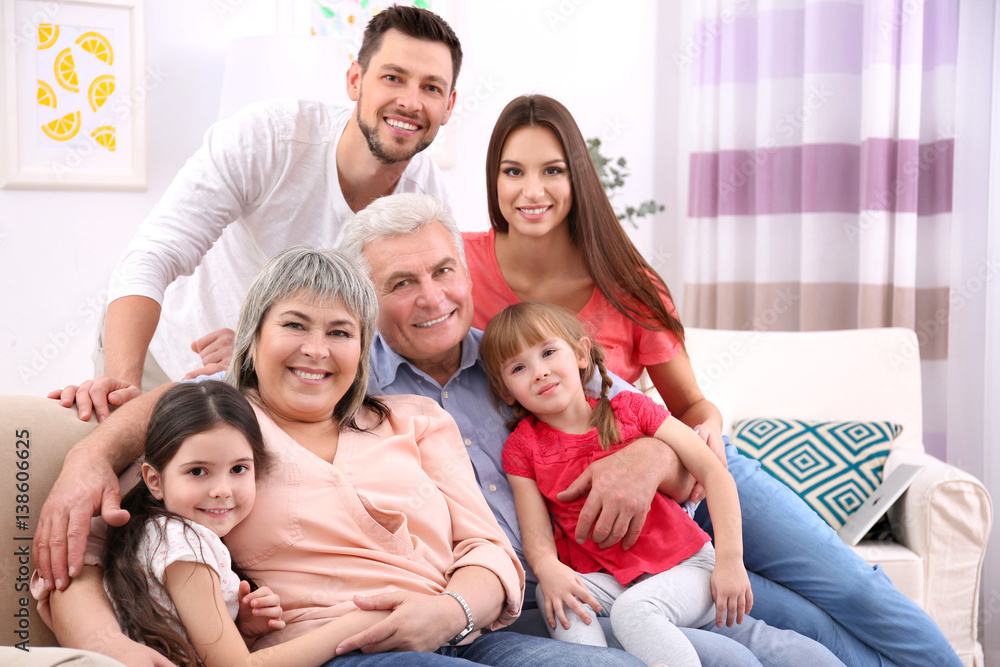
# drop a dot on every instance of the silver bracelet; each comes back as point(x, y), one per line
point(468, 616)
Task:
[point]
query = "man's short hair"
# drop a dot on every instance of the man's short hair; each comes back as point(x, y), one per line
point(398, 215)
point(413, 22)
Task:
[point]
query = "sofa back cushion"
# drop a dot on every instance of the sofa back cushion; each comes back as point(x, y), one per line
point(857, 375)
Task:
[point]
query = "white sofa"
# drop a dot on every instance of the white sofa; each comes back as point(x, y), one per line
point(941, 524)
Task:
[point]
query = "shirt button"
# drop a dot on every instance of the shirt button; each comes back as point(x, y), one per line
point(420, 380)
point(493, 487)
point(468, 443)
point(446, 394)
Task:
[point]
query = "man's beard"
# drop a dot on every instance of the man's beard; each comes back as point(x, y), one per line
point(377, 148)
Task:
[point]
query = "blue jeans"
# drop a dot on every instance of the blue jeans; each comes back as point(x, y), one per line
point(809, 581)
point(501, 649)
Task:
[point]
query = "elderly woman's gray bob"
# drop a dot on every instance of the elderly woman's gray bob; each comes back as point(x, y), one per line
point(321, 277)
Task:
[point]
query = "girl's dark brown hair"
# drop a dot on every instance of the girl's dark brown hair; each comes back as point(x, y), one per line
point(529, 323)
point(620, 272)
point(183, 411)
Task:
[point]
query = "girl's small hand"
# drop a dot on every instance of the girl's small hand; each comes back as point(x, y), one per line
point(260, 611)
point(562, 587)
point(731, 592)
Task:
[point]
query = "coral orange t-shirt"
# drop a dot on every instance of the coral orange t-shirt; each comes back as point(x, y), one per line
point(629, 347)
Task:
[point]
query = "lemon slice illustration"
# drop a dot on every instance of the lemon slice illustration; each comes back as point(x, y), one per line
point(46, 96)
point(65, 70)
point(105, 136)
point(63, 129)
point(100, 90)
point(98, 44)
point(48, 34)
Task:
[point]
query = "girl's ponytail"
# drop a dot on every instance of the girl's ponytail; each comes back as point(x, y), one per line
point(603, 417)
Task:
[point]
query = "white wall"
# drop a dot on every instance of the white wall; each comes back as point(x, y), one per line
point(973, 388)
point(594, 57)
point(57, 249)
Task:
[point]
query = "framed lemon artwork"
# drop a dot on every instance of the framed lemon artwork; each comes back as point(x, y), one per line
point(73, 94)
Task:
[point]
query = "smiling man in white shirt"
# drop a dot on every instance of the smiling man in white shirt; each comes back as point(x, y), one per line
point(274, 175)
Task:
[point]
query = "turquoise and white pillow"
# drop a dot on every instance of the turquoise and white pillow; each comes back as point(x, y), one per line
point(832, 466)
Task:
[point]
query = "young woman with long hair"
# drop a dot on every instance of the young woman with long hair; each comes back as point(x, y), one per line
point(555, 238)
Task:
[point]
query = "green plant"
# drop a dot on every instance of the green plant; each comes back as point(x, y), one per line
point(613, 174)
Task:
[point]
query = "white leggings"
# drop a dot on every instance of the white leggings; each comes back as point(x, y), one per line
point(645, 615)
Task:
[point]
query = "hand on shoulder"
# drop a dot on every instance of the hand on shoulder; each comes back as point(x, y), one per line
point(96, 396)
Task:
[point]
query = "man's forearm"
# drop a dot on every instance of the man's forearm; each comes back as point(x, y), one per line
point(677, 483)
point(87, 486)
point(663, 463)
point(129, 327)
point(120, 438)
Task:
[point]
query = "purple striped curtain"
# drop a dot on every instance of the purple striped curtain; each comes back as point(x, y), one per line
point(820, 182)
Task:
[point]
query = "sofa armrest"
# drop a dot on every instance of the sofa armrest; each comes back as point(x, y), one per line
point(945, 517)
point(35, 434)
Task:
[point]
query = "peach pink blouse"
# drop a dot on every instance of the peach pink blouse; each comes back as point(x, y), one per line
point(397, 510)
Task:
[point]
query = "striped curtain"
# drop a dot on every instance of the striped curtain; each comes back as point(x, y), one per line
point(820, 170)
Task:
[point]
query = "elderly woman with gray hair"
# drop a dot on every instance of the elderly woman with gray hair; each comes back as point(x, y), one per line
point(372, 503)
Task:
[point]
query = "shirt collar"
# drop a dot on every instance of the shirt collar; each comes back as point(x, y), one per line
point(385, 361)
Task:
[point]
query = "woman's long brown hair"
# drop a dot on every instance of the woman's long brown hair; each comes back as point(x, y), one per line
point(620, 272)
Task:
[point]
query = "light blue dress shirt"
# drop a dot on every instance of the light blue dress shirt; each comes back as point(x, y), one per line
point(467, 398)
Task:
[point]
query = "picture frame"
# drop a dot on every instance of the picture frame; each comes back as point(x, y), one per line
point(73, 88)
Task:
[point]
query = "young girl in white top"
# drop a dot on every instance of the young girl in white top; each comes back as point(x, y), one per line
point(538, 360)
point(167, 570)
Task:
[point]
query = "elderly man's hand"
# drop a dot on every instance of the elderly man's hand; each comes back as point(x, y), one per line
point(619, 490)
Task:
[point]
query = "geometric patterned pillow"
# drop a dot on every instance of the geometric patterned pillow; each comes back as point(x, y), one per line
point(832, 466)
